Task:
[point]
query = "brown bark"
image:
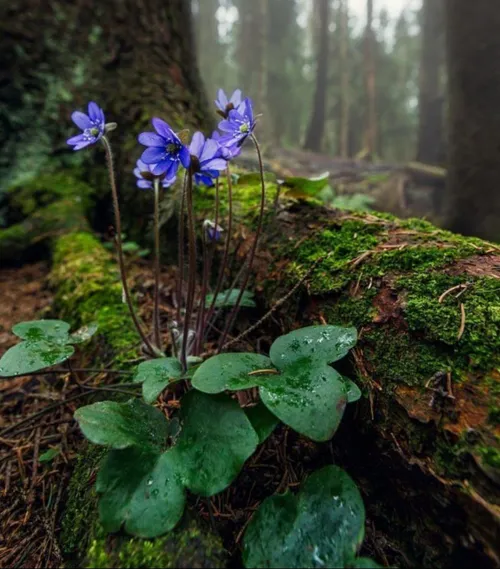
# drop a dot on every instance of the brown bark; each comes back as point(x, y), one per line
point(473, 198)
point(316, 129)
point(371, 112)
point(431, 98)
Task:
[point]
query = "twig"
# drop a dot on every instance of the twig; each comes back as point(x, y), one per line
point(462, 321)
point(450, 290)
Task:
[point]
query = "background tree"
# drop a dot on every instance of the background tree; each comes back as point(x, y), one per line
point(136, 59)
point(344, 79)
point(431, 100)
point(473, 42)
point(315, 132)
point(371, 116)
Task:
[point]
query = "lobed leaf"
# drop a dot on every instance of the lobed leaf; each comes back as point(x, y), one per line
point(56, 331)
point(156, 375)
point(31, 356)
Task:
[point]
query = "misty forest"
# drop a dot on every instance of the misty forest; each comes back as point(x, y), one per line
point(250, 283)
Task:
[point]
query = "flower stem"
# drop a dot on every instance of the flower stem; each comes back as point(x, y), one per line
point(180, 276)
point(251, 257)
point(200, 320)
point(121, 262)
point(156, 316)
point(191, 270)
point(225, 258)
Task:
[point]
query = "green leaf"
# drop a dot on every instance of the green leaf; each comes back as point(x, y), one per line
point(229, 298)
point(253, 178)
point(229, 372)
point(365, 563)
point(141, 489)
point(216, 440)
point(156, 375)
point(353, 391)
point(29, 357)
point(55, 331)
point(122, 425)
point(323, 344)
point(321, 527)
point(263, 421)
point(309, 396)
point(84, 333)
point(299, 186)
point(49, 455)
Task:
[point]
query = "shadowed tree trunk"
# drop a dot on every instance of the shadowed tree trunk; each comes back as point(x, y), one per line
point(133, 57)
point(210, 50)
point(371, 116)
point(473, 195)
point(344, 78)
point(316, 127)
point(431, 120)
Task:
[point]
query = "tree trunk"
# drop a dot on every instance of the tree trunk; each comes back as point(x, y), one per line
point(134, 57)
point(431, 101)
point(473, 196)
point(316, 129)
point(371, 113)
point(344, 79)
point(210, 51)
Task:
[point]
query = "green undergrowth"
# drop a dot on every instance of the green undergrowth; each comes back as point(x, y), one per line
point(88, 289)
point(187, 546)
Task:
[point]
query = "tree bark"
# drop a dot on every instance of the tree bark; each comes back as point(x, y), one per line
point(371, 133)
point(134, 58)
point(316, 129)
point(473, 42)
point(431, 98)
point(344, 79)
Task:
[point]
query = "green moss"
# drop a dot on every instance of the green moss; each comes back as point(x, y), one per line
point(491, 456)
point(348, 310)
point(81, 505)
point(88, 290)
point(188, 546)
point(494, 416)
point(441, 322)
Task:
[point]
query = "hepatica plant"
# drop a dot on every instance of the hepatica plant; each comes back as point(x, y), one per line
point(153, 462)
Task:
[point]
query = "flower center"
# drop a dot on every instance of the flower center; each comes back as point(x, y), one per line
point(244, 128)
point(172, 148)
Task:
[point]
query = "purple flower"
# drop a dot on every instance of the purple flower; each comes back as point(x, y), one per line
point(225, 105)
point(144, 174)
point(165, 150)
point(227, 152)
point(213, 232)
point(206, 159)
point(239, 125)
point(92, 125)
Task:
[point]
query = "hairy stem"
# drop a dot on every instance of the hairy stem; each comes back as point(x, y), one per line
point(121, 261)
point(200, 322)
point(180, 254)
point(191, 270)
point(251, 257)
point(156, 317)
point(225, 258)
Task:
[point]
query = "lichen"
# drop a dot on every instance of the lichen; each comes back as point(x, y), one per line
point(188, 546)
point(88, 290)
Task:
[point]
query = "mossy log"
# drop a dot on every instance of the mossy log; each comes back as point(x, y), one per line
point(424, 442)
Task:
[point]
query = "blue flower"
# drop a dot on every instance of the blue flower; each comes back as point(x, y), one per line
point(225, 105)
point(239, 125)
point(213, 232)
point(206, 159)
point(92, 125)
point(144, 174)
point(228, 152)
point(165, 150)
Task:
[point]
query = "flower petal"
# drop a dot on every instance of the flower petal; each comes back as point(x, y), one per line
point(203, 179)
point(81, 120)
point(236, 98)
point(218, 164)
point(83, 145)
point(222, 99)
point(196, 146)
point(151, 139)
point(185, 157)
point(137, 173)
point(167, 182)
point(209, 150)
point(75, 140)
point(95, 113)
point(163, 129)
point(227, 126)
point(144, 184)
point(153, 155)
point(161, 167)
point(142, 167)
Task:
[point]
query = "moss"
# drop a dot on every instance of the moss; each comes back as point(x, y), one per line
point(43, 209)
point(494, 416)
point(89, 290)
point(350, 310)
point(81, 505)
point(188, 546)
point(491, 456)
